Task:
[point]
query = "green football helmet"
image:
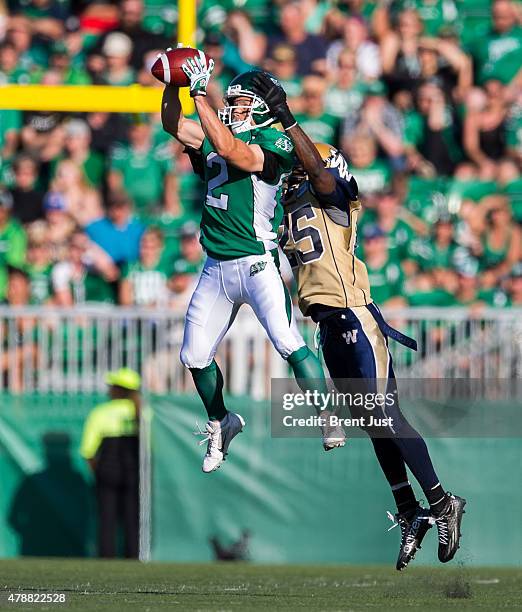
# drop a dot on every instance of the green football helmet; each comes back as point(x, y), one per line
point(258, 115)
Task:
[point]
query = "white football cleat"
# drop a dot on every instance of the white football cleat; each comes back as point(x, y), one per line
point(219, 434)
point(334, 435)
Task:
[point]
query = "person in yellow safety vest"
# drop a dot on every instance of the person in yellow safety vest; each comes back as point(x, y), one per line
point(110, 444)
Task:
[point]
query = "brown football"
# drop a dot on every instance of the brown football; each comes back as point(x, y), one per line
point(167, 68)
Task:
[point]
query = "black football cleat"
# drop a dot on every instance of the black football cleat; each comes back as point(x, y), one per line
point(414, 527)
point(448, 523)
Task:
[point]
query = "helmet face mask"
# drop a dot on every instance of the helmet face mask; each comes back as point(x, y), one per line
point(257, 112)
point(294, 180)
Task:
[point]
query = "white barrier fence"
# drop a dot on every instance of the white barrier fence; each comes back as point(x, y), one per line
point(69, 350)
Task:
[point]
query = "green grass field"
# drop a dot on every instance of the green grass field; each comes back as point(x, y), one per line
point(128, 585)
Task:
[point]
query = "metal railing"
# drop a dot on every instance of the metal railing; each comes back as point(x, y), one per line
point(69, 350)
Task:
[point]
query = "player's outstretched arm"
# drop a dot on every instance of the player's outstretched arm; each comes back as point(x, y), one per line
point(322, 181)
point(187, 131)
point(245, 157)
point(275, 97)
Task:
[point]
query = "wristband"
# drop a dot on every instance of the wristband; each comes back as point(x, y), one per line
point(286, 118)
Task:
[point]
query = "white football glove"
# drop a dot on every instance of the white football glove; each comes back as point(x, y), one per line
point(198, 71)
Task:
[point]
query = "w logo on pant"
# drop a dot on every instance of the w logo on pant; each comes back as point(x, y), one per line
point(350, 336)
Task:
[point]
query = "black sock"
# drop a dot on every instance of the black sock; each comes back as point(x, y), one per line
point(392, 464)
point(404, 497)
point(436, 498)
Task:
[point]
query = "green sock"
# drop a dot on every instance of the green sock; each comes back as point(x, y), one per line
point(307, 370)
point(209, 383)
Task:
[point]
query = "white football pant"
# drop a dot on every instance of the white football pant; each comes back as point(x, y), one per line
point(223, 287)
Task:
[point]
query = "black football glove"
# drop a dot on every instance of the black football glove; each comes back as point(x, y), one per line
point(275, 97)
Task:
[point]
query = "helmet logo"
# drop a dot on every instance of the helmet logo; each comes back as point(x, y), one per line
point(234, 90)
point(336, 160)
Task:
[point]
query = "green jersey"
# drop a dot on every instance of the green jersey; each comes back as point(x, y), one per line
point(342, 102)
point(322, 128)
point(41, 283)
point(429, 255)
point(497, 56)
point(149, 284)
point(88, 288)
point(13, 244)
point(242, 209)
point(10, 121)
point(374, 177)
point(436, 15)
point(386, 281)
point(429, 297)
point(514, 128)
point(513, 190)
point(143, 173)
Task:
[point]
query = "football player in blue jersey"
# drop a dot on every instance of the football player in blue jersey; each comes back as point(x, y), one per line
point(321, 208)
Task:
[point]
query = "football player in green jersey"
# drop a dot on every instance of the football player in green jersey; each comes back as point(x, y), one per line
point(243, 162)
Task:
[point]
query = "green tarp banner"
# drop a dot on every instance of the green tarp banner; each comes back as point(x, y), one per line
point(46, 497)
point(302, 504)
point(299, 503)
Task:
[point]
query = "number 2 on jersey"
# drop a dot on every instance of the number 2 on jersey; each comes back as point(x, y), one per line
point(221, 178)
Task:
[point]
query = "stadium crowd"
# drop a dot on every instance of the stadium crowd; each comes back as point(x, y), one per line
point(423, 96)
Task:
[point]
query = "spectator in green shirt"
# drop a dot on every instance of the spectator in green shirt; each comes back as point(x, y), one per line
point(436, 15)
point(61, 62)
point(144, 282)
point(145, 172)
point(314, 120)
point(39, 268)
point(86, 277)
point(30, 49)
point(437, 251)
point(498, 56)
point(509, 180)
point(117, 50)
point(282, 63)
point(384, 274)
point(500, 245)
point(186, 268)
point(13, 241)
point(514, 287)
point(10, 125)
point(470, 294)
point(346, 94)
point(514, 130)
point(372, 174)
point(78, 149)
point(394, 220)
